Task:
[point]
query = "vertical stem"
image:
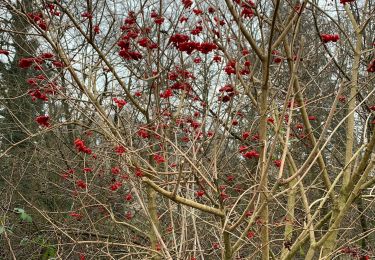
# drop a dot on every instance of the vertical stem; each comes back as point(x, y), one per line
point(264, 232)
point(227, 246)
point(289, 217)
point(329, 245)
point(351, 107)
point(151, 206)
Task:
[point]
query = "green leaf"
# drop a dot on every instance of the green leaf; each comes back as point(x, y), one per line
point(2, 229)
point(24, 241)
point(26, 217)
point(19, 210)
point(23, 215)
point(50, 252)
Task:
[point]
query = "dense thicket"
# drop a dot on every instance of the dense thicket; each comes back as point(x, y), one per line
point(187, 129)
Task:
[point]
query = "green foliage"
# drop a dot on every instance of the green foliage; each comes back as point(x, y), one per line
point(23, 215)
point(49, 252)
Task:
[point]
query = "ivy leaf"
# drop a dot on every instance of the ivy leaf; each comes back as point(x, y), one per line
point(23, 215)
point(26, 217)
point(19, 210)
